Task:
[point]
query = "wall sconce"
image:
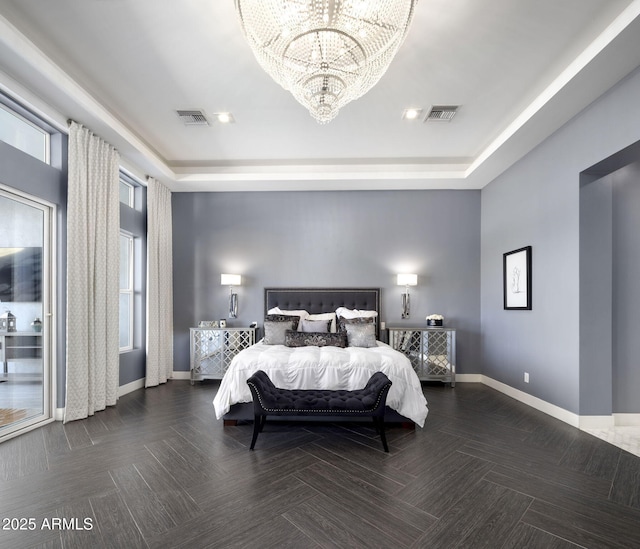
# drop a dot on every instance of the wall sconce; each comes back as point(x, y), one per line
point(406, 280)
point(232, 280)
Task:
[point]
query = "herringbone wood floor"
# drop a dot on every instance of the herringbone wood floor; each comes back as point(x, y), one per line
point(159, 471)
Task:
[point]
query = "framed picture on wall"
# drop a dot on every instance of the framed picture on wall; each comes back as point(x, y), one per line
point(516, 267)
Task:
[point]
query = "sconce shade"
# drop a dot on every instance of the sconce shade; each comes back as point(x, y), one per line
point(230, 280)
point(407, 279)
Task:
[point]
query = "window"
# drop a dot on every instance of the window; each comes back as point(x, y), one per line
point(126, 292)
point(126, 192)
point(24, 135)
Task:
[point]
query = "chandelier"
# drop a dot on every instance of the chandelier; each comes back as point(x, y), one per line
point(325, 52)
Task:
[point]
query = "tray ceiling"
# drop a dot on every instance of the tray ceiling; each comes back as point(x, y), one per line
point(518, 70)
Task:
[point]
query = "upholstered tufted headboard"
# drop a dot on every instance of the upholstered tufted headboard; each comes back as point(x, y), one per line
point(323, 300)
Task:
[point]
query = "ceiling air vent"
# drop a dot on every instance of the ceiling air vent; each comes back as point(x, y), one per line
point(193, 118)
point(441, 113)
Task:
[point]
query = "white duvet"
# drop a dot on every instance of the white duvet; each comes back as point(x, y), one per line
point(324, 368)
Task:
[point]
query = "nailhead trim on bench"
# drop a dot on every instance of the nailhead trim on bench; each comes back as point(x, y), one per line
point(316, 410)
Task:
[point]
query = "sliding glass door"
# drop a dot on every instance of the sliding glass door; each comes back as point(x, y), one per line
point(25, 319)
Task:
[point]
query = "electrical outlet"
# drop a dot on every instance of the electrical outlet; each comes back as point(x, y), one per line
point(526, 377)
point(383, 325)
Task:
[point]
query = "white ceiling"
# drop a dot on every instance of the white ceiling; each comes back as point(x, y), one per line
point(519, 69)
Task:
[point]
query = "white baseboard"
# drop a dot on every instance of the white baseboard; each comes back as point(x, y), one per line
point(596, 422)
point(626, 420)
point(469, 378)
point(581, 422)
point(58, 413)
point(534, 402)
point(130, 387)
point(575, 420)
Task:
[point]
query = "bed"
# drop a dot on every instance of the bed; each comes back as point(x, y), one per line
point(324, 366)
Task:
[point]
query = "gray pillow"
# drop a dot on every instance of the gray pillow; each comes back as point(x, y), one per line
point(309, 326)
point(315, 339)
point(274, 331)
point(361, 335)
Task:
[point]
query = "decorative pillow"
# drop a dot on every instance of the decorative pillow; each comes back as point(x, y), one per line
point(283, 318)
point(343, 312)
point(283, 312)
point(325, 316)
point(309, 326)
point(343, 322)
point(274, 332)
point(315, 339)
point(361, 335)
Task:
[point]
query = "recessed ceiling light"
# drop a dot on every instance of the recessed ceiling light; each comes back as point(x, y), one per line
point(224, 117)
point(411, 114)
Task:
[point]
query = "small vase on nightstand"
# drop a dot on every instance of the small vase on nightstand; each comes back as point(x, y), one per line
point(435, 321)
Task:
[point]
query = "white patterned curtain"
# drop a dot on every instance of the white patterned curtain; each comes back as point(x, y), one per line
point(159, 284)
point(93, 262)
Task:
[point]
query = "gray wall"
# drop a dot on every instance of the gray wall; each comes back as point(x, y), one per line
point(351, 239)
point(596, 283)
point(626, 289)
point(537, 203)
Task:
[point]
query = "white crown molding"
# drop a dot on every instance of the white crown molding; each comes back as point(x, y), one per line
point(98, 118)
point(579, 64)
point(552, 108)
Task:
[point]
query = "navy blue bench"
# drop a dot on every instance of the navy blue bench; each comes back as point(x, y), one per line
point(268, 400)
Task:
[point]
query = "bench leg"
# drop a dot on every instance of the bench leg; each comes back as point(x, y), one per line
point(258, 425)
point(379, 425)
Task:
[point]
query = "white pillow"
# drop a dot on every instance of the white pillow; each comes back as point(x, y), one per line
point(278, 311)
point(325, 316)
point(343, 312)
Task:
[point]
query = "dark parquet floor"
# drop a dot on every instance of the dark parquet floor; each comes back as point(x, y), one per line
point(159, 471)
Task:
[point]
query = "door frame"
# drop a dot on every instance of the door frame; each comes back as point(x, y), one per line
point(49, 300)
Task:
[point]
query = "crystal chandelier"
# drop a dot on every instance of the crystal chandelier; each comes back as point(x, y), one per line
point(325, 52)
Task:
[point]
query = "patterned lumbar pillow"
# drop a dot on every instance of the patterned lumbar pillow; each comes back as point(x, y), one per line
point(315, 339)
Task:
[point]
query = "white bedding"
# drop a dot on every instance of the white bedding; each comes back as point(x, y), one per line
point(324, 368)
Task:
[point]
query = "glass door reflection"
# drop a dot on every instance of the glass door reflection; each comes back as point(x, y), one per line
point(24, 374)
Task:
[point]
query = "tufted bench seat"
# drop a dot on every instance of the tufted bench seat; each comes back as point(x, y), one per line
point(268, 400)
